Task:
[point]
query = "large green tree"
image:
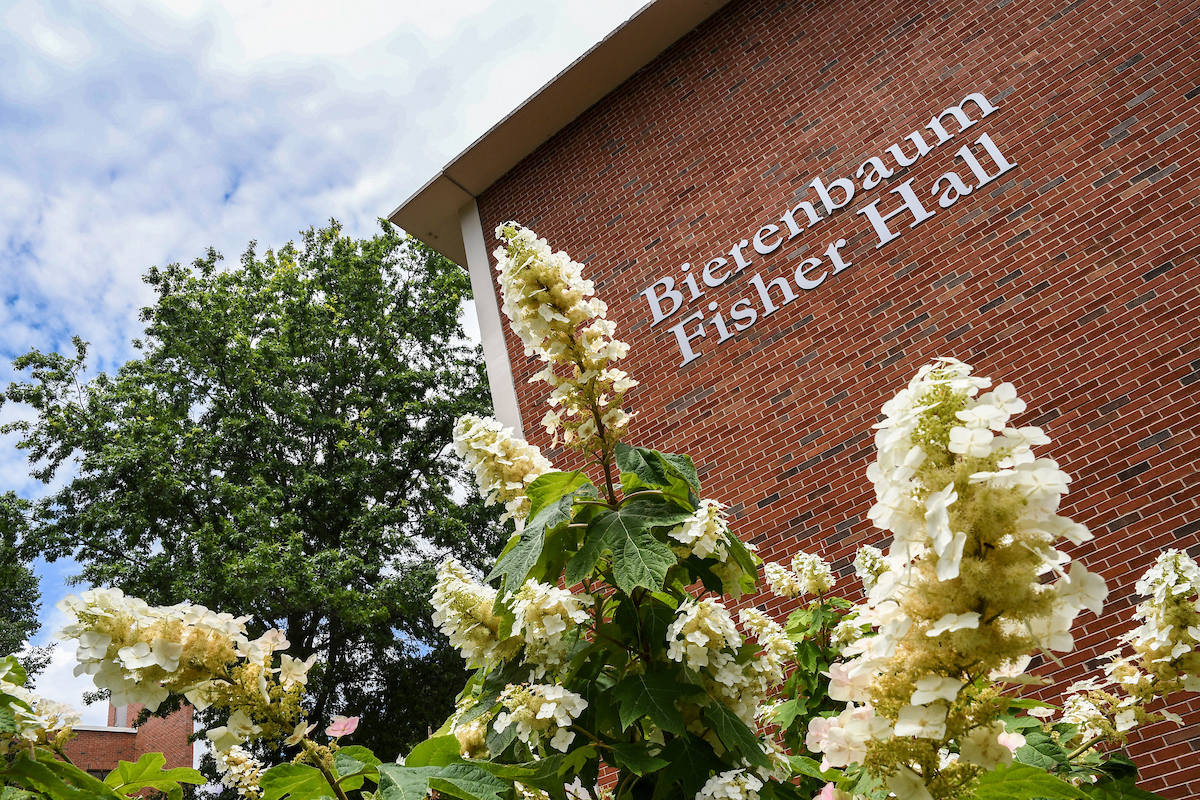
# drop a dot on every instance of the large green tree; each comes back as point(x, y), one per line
point(281, 448)
point(19, 594)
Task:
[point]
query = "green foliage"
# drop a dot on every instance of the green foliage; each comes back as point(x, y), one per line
point(1023, 782)
point(19, 592)
point(148, 773)
point(279, 449)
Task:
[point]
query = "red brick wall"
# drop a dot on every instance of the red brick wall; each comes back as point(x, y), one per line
point(1074, 275)
point(101, 750)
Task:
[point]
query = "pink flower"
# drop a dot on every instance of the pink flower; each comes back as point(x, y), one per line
point(342, 726)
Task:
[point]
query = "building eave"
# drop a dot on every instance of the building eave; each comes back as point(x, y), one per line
point(432, 213)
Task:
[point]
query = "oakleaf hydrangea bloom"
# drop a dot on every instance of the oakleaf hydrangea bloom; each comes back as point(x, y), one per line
point(815, 575)
point(783, 582)
point(143, 654)
point(869, 564)
point(702, 635)
point(704, 534)
point(240, 771)
point(462, 610)
point(1166, 655)
point(39, 720)
point(504, 464)
point(540, 712)
point(543, 614)
point(843, 739)
point(972, 511)
point(737, 784)
point(550, 304)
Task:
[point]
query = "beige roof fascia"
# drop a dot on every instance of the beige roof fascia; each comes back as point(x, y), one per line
point(432, 214)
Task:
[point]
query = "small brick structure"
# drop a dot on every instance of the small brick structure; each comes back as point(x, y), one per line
point(1074, 273)
point(96, 749)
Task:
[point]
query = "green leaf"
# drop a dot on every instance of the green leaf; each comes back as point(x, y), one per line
point(638, 558)
point(52, 779)
point(468, 782)
point(515, 564)
point(641, 466)
point(682, 465)
point(807, 766)
point(653, 695)
point(298, 781)
point(436, 752)
point(1023, 782)
point(1041, 751)
point(551, 487)
point(13, 793)
point(735, 734)
point(498, 741)
point(12, 671)
point(148, 773)
point(636, 758)
point(361, 754)
point(785, 713)
point(690, 762)
point(1123, 789)
point(584, 560)
point(398, 782)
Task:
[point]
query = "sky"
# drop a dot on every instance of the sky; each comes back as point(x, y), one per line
point(137, 133)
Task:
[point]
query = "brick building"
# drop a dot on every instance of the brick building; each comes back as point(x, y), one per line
point(791, 159)
point(97, 749)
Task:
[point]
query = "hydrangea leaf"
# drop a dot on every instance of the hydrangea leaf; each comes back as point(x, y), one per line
point(690, 761)
point(398, 782)
point(1041, 751)
point(436, 752)
point(1023, 782)
point(653, 695)
point(1124, 789)
point(54, 778)
point(584, 561)
point(148, 773)
point(636, 758)
point(682, 464)
point(553, 486)
point(515, 564)
point(641, 467)
point(735, 734)
point(468, 782)
point(298, 781)
point(638, 558)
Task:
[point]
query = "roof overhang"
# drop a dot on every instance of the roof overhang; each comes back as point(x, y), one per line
point(432, 214)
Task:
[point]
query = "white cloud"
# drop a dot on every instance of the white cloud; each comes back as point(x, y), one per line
point(139, 133)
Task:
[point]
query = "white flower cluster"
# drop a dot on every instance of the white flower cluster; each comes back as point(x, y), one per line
point(1170, 628)
point(546, 296)
point(540, 711)
point(781, 580)
point(462, 610)
point(736, 784)
point(973, 516)
point(842, 740)
point(39, 720)
point(702, 636)
point(769, 667)
point(542, 615)
point(240, 771)
point(141, 653)
point(705, 533)
point(504, 464)
point(548, 300)
point(869, 564)
point(816, 576)
point(1166, 654)
point(809, 575)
